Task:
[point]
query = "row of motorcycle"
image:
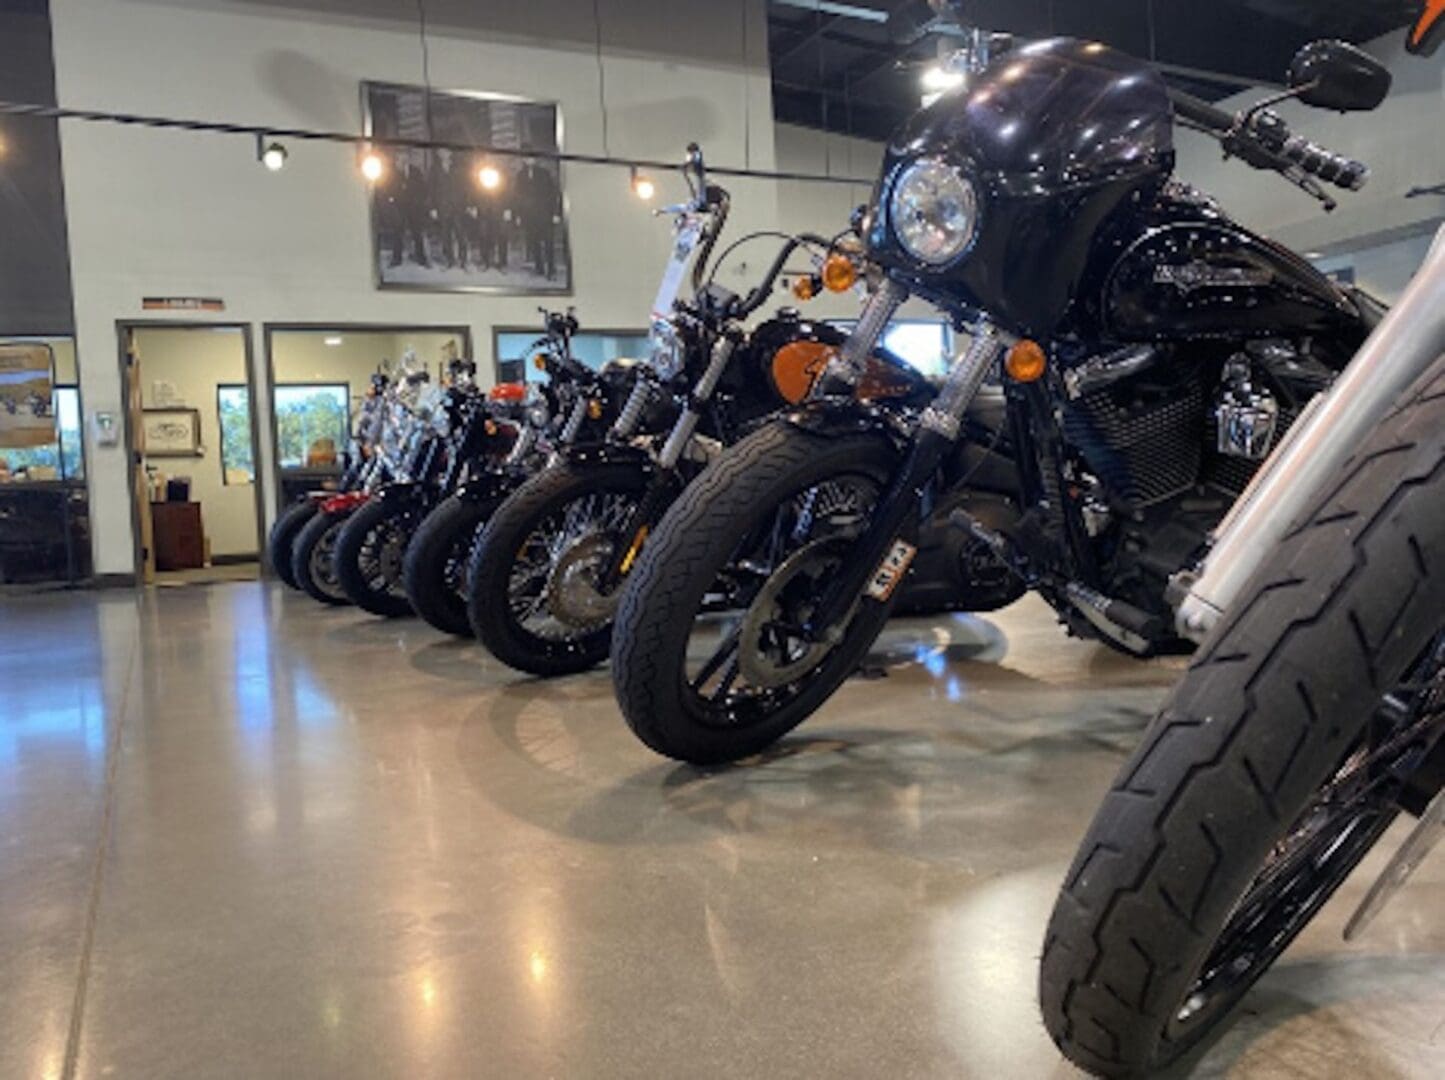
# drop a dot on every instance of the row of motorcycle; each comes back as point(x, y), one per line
point(1177, 433)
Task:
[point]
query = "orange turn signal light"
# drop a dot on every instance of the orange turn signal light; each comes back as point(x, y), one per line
point(594, 409)
point(540, 361)
point(805, 287)
point(839, 273)
point(1026, 361)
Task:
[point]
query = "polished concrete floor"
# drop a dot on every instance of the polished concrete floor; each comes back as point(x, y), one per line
point(247, 836)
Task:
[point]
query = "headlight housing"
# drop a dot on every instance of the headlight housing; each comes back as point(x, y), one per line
point(665, 349)
point(934, 211)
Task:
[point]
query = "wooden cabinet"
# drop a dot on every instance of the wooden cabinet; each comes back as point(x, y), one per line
point(179, 538)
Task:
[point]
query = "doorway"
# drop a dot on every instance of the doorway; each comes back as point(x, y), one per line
point(319, 376)
point(192, 425)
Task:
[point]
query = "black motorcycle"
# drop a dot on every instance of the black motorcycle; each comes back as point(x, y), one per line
point(1312, 718)
point(366, 431)
point(574, 405)
point(473, 433)
point(548, 569)
point(1151, 351)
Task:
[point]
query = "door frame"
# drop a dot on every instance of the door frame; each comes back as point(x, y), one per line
point(123, 327)
point(461, 332)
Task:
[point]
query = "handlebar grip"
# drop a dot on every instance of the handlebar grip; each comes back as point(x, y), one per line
point(1328, 166)
point(1200, 112)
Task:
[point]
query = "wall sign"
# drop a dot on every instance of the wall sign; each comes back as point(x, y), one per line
point(182, 303)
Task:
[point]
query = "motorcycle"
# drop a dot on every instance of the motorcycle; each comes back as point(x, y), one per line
point(406, 436)
point(1313, 716)
point(547, 573)
point(574, 405)
point(1151, 353)
point(365, 433)
point(472, 434)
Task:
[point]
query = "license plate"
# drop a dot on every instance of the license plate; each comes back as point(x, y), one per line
point(891, 570)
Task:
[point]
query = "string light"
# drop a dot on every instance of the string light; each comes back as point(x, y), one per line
point(489, 177)
point(372, 167)
point(270, 154)
point(642, 186)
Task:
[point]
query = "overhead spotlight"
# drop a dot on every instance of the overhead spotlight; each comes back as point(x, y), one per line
point(270, 154)
point(372, 166)
point(642, 185)
point(489, 177)
point(937, 80)
point(333, 341)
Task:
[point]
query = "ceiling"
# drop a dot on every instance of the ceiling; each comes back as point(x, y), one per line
point(852, 66)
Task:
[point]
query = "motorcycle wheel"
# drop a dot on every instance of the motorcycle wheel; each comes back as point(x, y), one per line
point(434, 571)
point(531, 594)
point(758, 683)
point(368, 557)
point(1264, 780)
point(283, 536)
point(311, 562)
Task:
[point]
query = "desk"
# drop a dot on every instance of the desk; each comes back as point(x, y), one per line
point(180, 539)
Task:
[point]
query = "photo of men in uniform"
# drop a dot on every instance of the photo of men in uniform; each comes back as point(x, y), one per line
point(493, 218)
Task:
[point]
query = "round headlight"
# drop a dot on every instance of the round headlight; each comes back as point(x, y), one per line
point(934, 209)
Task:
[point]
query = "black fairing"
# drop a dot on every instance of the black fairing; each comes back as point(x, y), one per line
point(1185, 271)
point(1056, 137)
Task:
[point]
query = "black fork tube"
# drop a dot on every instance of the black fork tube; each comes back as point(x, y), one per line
point(867, 553)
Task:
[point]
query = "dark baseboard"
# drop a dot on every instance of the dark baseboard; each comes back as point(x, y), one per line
point(113, 581)
point(232, 560)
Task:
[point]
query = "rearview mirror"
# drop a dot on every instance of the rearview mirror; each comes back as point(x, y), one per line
point(1336, 75)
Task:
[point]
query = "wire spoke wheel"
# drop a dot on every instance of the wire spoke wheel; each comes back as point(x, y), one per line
point(553, 588)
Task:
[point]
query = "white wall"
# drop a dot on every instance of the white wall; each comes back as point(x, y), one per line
point(171, 213)
point(1401, 141)
point(194, 362)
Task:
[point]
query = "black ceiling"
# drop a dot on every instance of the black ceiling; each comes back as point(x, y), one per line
point(858, 76)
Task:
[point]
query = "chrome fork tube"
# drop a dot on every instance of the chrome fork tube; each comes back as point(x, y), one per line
point(686, 424)
point(574, 422)
point(631, 415)
point(526, 439)
point(945, 414)
point(852, 360)
point(1402, 347)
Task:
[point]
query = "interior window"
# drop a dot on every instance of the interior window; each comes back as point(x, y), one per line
point(312, 422)
point(233, 408)
point(514, 351)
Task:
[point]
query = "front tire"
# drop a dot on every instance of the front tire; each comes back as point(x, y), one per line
point(311, 558)
point(282, 538)
point(513, 588)
point(1220, 839)
point(434, 571)
point(369, 552)
point(702, 534)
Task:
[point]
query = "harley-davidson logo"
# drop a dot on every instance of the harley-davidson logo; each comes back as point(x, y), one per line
point(1186, 277)
point(1429, 29)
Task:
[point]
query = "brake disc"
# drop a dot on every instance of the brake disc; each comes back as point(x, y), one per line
point(761, 666)
point(573, 597)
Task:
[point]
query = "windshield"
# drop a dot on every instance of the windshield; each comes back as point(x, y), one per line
point(1058, 111)
point(663, 345)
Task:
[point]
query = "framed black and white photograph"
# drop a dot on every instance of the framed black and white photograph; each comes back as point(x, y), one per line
point(472, 221)
point(171, 432)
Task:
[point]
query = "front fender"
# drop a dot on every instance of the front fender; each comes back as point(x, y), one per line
point(607, 453)
point(402, 493)
point(488, 487)
point(847, 416)
point(345, 503)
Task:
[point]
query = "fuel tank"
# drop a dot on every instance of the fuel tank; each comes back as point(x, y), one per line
point(1192, 273)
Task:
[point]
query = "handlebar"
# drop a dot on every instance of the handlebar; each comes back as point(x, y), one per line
point(760, 293)
point(1262, 138)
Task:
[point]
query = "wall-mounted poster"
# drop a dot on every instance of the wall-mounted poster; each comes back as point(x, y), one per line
point(27, 414)
point(452, 220)
point(171, 432)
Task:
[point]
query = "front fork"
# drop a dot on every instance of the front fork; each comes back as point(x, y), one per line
point(872, 556)
point(662, 490)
